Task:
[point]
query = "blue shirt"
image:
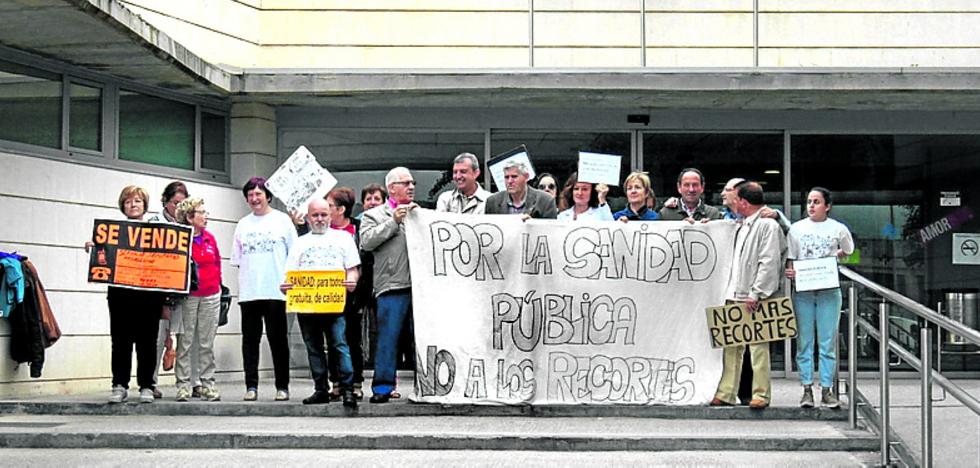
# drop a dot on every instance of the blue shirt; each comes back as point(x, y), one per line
point(645, 214)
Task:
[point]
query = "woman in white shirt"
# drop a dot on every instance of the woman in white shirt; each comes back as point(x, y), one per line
point(814, 237)
point(585, 201)
point(262, 243)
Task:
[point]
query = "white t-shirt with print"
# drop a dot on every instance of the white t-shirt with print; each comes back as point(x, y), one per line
point(809, 239)
point(331, 251)
point(262, 244)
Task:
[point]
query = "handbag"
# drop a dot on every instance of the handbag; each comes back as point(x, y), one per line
point(169, 355)
point(225, 305)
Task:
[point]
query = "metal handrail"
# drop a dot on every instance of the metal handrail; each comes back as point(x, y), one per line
point(923, 365)
point(922, 311)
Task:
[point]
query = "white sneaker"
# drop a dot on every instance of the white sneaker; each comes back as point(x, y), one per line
point(119, 394)
point(146, 395)
point(282, 395)
point(210, 394)
point(183, 394)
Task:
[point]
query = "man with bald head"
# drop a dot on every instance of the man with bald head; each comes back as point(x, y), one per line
point(325, 249)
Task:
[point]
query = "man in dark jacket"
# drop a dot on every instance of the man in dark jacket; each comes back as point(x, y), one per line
point(519, 198)
point(690, 185)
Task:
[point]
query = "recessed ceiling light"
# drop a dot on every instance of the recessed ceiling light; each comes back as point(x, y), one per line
point(772, 172)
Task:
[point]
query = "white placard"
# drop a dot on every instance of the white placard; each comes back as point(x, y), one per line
point(543, 312)
point(599, 168)
point(497, 163)
point(299, 180)
point(817, 273)
point(966, 248)
point(949, 198)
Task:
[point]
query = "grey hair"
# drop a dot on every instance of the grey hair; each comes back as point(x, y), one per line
point(393, 174)
point(463, 157)
point(515, 164)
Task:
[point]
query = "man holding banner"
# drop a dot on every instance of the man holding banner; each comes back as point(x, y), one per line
point(519, 198)
point(760, 246)
point(383, 233)
point(323, 250)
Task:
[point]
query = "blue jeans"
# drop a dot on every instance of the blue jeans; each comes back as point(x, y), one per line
point(314, 327)
point(818, 310)
point(394, 310)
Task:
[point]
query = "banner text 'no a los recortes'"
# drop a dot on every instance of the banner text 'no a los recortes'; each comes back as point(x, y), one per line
point(141, 255)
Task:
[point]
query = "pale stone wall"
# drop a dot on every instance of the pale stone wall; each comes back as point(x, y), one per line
point(460, 34)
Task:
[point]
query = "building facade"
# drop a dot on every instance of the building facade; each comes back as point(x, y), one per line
point(880, 102)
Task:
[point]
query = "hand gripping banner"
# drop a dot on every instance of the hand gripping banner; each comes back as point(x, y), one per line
point(542, 312)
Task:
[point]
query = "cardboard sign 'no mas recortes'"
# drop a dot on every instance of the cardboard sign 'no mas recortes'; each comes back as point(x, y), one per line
point(141, 255)
point(733, 324)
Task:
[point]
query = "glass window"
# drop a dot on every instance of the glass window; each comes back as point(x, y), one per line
point(213, 141)
point(155, 130)
point(904, 198)
point(556, 153)
point(31, 106)
point(720, 156)
point(85, 117)
point(360, 157)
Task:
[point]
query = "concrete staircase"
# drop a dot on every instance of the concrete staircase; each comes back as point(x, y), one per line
point(779, 436)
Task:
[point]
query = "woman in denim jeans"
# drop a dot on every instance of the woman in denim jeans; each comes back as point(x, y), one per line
point(817, 236)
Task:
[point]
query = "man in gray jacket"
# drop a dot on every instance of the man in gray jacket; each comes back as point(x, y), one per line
point(760, 247)
point(383, 233)
point(519, 198)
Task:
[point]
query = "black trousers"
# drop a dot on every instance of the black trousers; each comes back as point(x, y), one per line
point(273, 313)
point(134, 319)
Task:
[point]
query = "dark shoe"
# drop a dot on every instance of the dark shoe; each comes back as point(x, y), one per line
point(380, 398)
point(807, 400)
point(335, 392)
point(196, 391)
point(157, 394)
point(718, 402)
point(828, 399)
point(318, 397)
point(759, 404)
point(349, 400)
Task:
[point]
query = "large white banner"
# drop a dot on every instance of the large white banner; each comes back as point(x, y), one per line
point(542, 312)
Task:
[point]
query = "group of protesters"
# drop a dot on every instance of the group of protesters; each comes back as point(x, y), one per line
point(371, 249)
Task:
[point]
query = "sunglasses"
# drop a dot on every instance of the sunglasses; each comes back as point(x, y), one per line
point(547, 187)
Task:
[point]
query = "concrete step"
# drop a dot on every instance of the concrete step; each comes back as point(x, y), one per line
point(430, 458)
point(404, 408)
point(429, 433)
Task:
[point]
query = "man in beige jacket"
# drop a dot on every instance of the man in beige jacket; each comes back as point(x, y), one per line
point(760, 247)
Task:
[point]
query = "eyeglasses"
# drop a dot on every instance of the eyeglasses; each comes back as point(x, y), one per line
point(405, 182)
point(547, 187)
point(202, 212)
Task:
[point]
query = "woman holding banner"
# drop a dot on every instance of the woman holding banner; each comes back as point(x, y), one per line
point(134, 318)
point(584, 201)
point(199, 311)
point(638, 194)
point(262, 242)
point(817, 236)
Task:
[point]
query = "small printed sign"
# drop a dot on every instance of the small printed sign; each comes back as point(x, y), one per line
point(599, 168)
point(966, 249)
point(733, 324)
point(299, 180)
point(949, 198)
point(316, 292)
point(815, 274)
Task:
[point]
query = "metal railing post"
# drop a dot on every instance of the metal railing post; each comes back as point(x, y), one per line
point(925, 341)
point(883, 362)
point(852, 305)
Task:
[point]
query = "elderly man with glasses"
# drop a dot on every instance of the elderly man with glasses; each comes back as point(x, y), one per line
point(383, 233)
